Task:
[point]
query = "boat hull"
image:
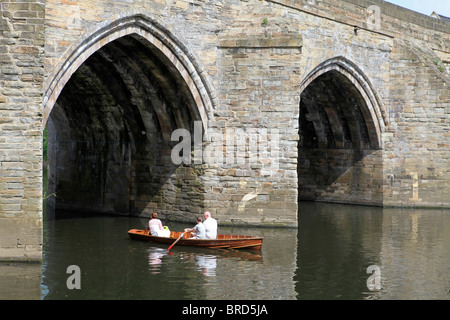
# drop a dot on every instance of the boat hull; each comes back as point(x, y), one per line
point(223, 241)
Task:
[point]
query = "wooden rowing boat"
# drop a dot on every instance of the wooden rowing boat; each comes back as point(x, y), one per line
point(223, 241)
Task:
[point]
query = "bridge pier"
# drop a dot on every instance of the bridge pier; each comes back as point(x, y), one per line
point(21, 89)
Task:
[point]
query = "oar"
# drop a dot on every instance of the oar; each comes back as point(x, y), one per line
point(181, 236)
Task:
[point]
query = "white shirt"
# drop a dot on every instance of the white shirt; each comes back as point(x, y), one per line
point(155, 226)
point(211, 228)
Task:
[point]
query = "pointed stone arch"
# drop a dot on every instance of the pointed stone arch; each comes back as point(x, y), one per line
point(370, 104)
point(181, 58)
point(112, 103)
point(341, 122)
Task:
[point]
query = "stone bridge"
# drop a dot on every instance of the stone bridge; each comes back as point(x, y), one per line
point(281, 101)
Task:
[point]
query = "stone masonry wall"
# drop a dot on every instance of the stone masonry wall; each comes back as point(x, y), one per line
point(21, 87)
point(418, 149)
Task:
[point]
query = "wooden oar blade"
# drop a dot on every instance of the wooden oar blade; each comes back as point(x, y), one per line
point(181, 236)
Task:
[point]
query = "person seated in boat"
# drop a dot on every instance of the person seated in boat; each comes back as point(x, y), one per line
point(156, 227)
point(199, 231)
point(210, 226)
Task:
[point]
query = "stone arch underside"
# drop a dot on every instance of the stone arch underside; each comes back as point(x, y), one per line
point(110, 128)
point(341, 120)
point(165, 44)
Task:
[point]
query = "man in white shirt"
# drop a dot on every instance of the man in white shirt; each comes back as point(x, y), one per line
point(210, 226)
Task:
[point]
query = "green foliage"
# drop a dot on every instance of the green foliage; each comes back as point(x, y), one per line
point(45, 196)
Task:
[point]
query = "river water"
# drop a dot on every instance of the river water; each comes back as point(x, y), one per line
point(327, 257)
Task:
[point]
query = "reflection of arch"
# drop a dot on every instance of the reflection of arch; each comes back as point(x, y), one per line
point(158, 36)
point(359, 89)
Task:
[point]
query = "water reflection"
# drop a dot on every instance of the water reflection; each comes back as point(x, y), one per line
point(115, 267)
point(337, 243)
point(20, 280)
point(155, 256)
point(206, 264)
point(415, 251)
point(326, 258)
point(336, 247)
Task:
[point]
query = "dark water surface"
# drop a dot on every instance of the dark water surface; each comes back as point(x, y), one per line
point(326, 258)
